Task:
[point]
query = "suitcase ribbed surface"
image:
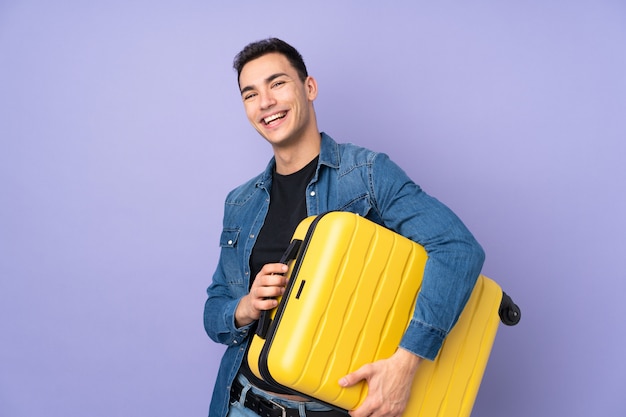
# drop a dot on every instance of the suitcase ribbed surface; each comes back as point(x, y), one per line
point(349, 300)
point(448, 386)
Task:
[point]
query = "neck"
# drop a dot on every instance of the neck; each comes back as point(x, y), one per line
point(294, 158)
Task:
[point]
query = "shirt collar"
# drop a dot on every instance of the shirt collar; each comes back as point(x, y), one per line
point(329, 152)
point(329, 156)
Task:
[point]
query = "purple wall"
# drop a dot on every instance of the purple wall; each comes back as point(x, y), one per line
point(121, 131)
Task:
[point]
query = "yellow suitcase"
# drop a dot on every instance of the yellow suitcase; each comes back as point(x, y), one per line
point(339, 264)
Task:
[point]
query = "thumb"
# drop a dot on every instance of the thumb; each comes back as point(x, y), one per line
point(354, 377)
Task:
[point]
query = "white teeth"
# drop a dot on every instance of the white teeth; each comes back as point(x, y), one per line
point(273, 117)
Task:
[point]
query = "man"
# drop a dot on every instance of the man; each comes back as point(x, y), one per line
point(310, 174)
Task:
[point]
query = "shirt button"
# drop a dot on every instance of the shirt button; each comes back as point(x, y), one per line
point(312, 193)
point(230, 242)
point(251, 236)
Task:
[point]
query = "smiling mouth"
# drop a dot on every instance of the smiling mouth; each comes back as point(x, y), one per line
point(269, 119)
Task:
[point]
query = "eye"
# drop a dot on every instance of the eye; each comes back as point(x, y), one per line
point(249, 96)
point(278, 84)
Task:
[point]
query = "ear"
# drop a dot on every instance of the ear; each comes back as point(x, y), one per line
point(311, 88)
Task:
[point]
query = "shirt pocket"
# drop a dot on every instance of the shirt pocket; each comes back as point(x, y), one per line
point(229, 238)
point(231, 260)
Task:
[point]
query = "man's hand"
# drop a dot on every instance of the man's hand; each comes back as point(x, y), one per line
point(389, 384)
point(269, 283)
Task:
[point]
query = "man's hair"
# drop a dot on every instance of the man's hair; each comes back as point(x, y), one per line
point(257, 49)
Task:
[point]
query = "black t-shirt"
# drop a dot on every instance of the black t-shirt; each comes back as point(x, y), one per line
point(287, 209)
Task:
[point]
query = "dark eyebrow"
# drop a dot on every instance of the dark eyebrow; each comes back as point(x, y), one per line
point(267, 81)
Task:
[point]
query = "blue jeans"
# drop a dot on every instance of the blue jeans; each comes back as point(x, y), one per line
point(237, 408)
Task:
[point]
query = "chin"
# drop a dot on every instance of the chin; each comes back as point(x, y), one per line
point(276, 138)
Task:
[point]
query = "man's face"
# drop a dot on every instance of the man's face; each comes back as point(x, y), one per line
point(278, 104)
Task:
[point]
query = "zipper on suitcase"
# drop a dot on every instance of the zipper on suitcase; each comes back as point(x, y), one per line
point(269, 336)
point(265, 319)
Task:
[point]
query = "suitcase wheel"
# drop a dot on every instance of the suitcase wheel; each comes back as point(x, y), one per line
point(510, 313)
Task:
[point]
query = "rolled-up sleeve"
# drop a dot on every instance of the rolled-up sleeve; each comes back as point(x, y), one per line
point(219, 310)
point(454, 260)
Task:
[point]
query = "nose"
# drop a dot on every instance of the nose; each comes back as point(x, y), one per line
point(266, 100)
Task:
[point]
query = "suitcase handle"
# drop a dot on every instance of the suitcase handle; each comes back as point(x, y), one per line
point(265, 320)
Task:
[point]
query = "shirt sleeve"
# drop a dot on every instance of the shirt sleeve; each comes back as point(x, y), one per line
point(219, 312)
point(454, 256)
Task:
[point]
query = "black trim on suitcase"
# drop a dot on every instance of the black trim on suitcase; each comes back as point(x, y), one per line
point(265, 320)
point(269, 336)
point(269, 333)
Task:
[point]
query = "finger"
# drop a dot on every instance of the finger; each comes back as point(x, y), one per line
point(373, 405)
point(365, 410)
point(363, 373)
point(275, 268)
point(265, 304)
point(272, 281)
point(271, 275)
point(264, 292)
point(370, 407)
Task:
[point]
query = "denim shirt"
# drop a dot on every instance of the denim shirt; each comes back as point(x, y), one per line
point(355, 179)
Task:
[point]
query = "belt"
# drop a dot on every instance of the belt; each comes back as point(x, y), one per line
point(265, 407)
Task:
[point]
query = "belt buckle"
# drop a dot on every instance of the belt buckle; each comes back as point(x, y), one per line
point(282, 408)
